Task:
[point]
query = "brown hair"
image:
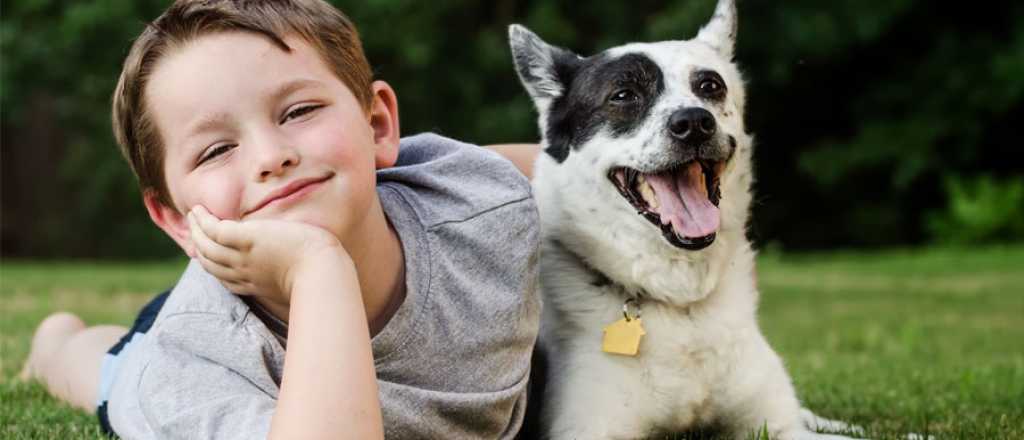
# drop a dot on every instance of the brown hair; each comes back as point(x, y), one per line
point(325, 28)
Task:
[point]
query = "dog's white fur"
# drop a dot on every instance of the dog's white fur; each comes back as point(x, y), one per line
point(703, 360)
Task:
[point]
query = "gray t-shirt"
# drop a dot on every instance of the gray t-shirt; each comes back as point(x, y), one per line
point(452, 362)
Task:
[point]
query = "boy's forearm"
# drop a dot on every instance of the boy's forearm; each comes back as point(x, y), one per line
point(521, 155)
point(329, 388)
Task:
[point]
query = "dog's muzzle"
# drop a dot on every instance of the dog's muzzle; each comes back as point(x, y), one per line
point(682, 199)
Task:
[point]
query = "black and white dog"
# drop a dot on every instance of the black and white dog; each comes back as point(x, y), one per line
point(644, 194)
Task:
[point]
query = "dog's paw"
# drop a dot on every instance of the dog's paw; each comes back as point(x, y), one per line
point(814, 422)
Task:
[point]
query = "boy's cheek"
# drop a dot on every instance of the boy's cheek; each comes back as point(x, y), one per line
point(225, 207)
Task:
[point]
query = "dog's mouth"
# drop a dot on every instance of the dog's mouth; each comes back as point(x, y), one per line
point(682, 201)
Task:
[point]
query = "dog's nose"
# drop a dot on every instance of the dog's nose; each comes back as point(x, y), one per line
point(692, 125)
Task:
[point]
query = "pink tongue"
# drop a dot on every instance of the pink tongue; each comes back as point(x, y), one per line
point(684, 203)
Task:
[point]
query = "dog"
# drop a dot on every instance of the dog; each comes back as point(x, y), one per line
point(649, 322)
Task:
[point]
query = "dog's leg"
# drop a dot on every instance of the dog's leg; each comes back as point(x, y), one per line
point(811, 435)
point(805, 428)
point(761, 398)
point(596, 402)
point(814, 422)
point(765, 398)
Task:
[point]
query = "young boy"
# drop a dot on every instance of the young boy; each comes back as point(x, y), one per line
point(401, 279)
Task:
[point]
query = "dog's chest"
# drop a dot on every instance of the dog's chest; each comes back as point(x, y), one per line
point(678, 369)
point(678, 344)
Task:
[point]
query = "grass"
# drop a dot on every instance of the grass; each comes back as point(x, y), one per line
point(926, 341)
point(99, 293)
point(904, 341)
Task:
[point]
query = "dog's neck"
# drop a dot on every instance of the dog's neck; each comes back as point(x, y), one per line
point(645, 267)
point(657, 272)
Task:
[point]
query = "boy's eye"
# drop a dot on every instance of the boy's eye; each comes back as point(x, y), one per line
point(214, 152)
point(298, 112)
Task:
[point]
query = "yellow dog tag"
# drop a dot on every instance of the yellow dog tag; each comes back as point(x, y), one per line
point(623, 337)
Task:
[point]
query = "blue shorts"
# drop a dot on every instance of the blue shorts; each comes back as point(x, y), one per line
point(112, 361)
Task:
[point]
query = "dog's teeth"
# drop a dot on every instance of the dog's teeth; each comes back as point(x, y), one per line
point(648, 193)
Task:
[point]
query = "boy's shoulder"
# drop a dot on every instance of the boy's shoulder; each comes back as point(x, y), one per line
point(202, 319)
point(445, 180)
point(201, 316)
point(199, 293)
point(204, 344)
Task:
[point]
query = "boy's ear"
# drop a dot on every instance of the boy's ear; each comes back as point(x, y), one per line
point(384, 122)
point(172, 222)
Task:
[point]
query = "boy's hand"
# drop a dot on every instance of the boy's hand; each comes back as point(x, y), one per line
point(259, 257)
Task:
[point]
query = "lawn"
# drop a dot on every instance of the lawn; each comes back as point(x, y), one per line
point(896, 341)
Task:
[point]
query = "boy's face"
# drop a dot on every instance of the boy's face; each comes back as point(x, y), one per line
point(253, 132)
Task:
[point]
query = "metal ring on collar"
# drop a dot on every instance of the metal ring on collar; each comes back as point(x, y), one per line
point(636, 308)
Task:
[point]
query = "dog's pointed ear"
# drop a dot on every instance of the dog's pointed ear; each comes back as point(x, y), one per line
point(544, 69)
point(720, 32)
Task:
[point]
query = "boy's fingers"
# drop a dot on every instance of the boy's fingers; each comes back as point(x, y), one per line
point(234, 235)
point(207, 222)
point(226, 232)
point(222, 273)
point(210, 249)
point(235, 287)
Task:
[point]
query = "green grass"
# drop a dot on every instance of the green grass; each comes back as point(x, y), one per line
point(99, 293)
point(928, 341)
point(923, 341)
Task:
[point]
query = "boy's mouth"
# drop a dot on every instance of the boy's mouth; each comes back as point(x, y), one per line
point(681, 201)
point(292, 191)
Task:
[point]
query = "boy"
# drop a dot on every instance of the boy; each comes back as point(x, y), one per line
point(406, 297)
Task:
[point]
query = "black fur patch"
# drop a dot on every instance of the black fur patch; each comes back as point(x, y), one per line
point(708, 85)
point(588, 103)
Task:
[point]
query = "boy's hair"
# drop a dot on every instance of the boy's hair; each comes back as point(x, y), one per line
point(325, 28)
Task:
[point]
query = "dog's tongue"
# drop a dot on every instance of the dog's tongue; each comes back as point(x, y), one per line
point(683, 201)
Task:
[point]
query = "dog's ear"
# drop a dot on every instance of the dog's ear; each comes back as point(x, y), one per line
point(720, 32)
point(544, 69)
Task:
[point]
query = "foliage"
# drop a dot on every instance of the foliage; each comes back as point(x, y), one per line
point(980, 210)
point(64, 58)
point(861, 108)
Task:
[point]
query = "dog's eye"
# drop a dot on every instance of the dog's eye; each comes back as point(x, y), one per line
point(623, 96)
point(711, 87)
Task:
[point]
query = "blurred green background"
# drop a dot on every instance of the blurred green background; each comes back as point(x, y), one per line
point(877, 122)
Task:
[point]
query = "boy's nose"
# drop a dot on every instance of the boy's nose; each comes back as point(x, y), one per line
point(276, 160)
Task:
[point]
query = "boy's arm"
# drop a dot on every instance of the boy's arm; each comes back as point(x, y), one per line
point(521, 155)
point(329, 386)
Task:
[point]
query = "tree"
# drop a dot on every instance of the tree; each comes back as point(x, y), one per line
point(861, 109)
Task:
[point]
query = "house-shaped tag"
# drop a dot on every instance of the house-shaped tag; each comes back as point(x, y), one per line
point(623, 337)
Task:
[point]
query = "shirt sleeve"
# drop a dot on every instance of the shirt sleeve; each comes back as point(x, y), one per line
point(219, 383)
